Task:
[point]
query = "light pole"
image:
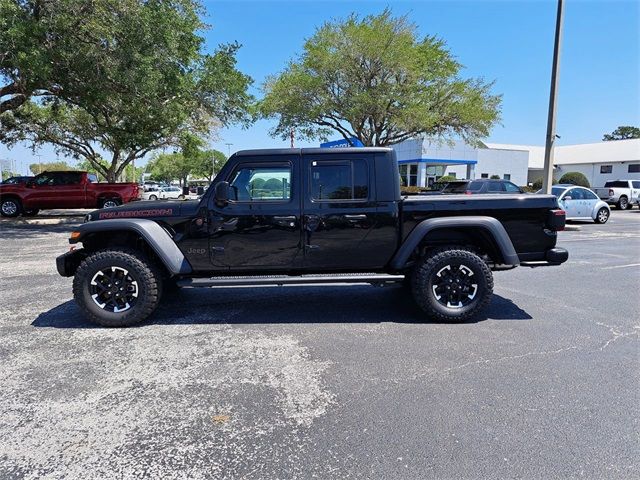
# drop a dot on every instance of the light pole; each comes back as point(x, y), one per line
point(547, 178)
point(228, 149)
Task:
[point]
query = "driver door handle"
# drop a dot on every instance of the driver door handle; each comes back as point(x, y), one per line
point(355, 217)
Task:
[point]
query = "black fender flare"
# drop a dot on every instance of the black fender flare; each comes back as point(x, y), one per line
point(489, 224)
point(154, 234)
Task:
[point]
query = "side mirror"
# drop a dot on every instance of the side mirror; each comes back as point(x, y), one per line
point(567, 198)
point(221, 194)
point(30, 184)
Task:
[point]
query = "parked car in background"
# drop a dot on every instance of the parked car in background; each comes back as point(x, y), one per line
point(164, 193)
point(621, 193)
point(580, 203)
point(472, 187)
point(59, 190)
point(14, 180)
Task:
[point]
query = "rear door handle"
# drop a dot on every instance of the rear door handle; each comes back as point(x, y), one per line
point(355, 217)
point(288, 220)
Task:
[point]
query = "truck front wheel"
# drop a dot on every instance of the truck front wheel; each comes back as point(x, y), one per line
point(117, 288)
point(10, 207)
point(452, 285)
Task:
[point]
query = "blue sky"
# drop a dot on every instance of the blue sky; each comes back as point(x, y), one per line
point(510, 42)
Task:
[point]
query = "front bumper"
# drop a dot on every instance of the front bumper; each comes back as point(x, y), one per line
point(68, 263)
point(553, 256)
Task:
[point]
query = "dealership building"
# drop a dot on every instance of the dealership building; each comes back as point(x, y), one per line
point(422, 161)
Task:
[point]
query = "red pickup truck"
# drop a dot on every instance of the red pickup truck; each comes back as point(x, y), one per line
point(72, 189)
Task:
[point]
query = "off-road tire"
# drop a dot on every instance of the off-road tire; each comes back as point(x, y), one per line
point(10, 207)
point(146, 274)
point(32, 212)
point(426, 272)
point(601, 217)
point(623, 203)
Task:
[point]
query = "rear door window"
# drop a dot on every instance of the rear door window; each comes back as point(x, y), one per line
point(495, 187)
point(340, 180)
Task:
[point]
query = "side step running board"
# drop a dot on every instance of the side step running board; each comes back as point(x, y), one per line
point(280, 280)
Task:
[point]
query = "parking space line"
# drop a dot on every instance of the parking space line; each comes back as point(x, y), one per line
point(622, 266)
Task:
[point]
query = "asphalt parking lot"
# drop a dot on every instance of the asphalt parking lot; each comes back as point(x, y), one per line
point(330, 382)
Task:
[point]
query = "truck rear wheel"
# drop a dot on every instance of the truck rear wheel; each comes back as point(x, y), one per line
point(452, 285)
point(623, 203)
point(110, 202)
point(117, 288)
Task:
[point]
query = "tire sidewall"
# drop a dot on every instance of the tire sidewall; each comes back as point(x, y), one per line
point(15, 202)
point(623, 203)
point(426, 275)
point(110, 200)
point(598, 216)
point(136, 269)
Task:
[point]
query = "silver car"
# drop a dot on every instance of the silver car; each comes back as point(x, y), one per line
point(580, 203)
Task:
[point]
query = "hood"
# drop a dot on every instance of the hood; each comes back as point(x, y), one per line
point(164, 210)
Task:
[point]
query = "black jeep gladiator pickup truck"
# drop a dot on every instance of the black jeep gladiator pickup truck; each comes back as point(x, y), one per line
point(309, 216)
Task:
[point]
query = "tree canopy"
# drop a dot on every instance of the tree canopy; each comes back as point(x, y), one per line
point(622, 133)
point(140, 80)
point(375, 79)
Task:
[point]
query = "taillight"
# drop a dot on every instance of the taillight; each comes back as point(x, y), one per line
point(557, 219)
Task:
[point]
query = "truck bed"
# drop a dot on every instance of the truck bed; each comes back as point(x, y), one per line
point(524, 216)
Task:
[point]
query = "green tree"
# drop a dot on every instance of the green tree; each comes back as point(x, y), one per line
point(537, 184)
point(57, 166)
point(622, 133)
point(165, 167)
point(207, 163)
point(575, 178)
point(145, 83)
point(495, 177)
point(376, 80)
point(445, 179)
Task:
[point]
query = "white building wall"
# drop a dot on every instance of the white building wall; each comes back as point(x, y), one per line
point(619, 171)
point(496, 162)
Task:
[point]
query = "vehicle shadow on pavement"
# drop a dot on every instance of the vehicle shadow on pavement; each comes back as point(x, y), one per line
point(295, 305)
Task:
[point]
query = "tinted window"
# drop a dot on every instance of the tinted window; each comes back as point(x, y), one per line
point(507, 176)
point(635, 184)
point(44, 179)
point(66, 178)
point(339, 180)
point(495, 187)
point(484, 175)
point(616, 184)
point(634, 168)
point(475, 186)
point(588, 195)
point(261, 183)
point(511, 187)
point(557, 191)
point(606, 168)
point(458, 187)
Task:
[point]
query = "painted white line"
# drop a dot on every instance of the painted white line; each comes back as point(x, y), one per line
point(622, 266)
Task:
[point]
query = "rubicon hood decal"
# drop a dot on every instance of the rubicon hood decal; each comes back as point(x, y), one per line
point(151, 212)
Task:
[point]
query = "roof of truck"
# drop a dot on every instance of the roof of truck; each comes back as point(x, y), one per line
point(309, 151)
